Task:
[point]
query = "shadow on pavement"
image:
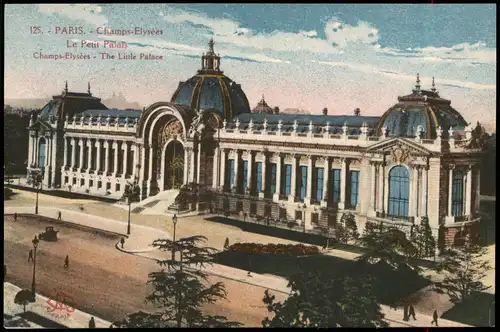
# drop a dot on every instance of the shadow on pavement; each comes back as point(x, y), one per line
point(474, 311)
point(14, 321)
point(40, 320)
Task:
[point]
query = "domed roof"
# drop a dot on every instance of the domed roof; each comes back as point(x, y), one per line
point(421, 108)
point(211, 89)
point(262, 107)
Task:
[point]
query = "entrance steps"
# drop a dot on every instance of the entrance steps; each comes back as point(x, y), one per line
point(154, 205)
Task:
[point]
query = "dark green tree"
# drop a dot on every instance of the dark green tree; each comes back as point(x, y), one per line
point(423, 240)
point(24, 297)
point(464, 269)
point(35, 178)
point(349, 221)
point(180, 289)
point(323, 300)
point(388, 245)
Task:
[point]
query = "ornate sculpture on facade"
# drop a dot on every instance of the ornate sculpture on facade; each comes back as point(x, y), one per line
point(474, 138)
point(399, 154)
point(196, 125)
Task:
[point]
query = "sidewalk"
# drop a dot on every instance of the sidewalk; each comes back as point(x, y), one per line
point(75, 319)
point(142, 237)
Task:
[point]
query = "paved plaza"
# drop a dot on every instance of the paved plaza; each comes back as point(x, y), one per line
point(147, 228)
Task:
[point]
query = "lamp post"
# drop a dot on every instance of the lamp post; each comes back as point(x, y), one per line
point(35, 245)
point(174, 220)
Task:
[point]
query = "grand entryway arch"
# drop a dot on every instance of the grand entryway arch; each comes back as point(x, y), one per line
point(173, 165)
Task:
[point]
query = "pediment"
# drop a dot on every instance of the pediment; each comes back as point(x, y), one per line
point(41, 125)
point(399, 147)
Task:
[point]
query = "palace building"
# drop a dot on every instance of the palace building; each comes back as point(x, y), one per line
point(419, 158)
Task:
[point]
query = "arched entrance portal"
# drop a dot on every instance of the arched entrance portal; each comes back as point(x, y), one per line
point(174, 165)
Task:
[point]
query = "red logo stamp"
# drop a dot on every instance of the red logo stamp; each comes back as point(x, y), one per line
point(57, 307)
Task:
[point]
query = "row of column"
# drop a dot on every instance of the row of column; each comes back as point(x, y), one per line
point(379, 189)
point(100, 145)
point(33, 150)
point(220, 174)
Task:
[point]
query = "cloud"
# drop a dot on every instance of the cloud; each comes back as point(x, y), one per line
point(86, 12)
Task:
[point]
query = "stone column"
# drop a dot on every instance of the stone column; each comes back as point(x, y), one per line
point(47, 156)
point(293, 186)
point(98, 155)
point(423, 204)
point(279, 168)
point(343, 184)
point(236, 170)
point(264, 174)
point(135, 161)
point(412, 197)
point(89, 155)
point(73, 153)
point(222, 172)
point(468, 192)
point(30, 150)
point(142, 170)
point(150, 169)
point(115, 160)
point(310, 172)
point(250, 169)
point(106, 157)
point(35, 151)
point(186, 166)
point(198, 164)
point(80, 143)
point(215, 169)
point(191, 166)
point(373, 186)
point(65, 162)
point(450, 188)
point(326, 180)
point(478, 189)
point(383, 201)
point(125, 159)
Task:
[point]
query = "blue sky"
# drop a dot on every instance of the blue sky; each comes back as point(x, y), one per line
point(300, 56)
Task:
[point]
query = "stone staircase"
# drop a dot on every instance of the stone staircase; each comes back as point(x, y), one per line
point(159, 204)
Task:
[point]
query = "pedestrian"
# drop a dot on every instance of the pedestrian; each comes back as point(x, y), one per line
point(15, 216)
point(435, 318)
point(122, 241)
point(91, 323)
point(30, 255)
point(66, 261)
point(59, 215)
point(412, 312)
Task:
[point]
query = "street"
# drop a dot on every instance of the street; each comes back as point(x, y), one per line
point(101, 280)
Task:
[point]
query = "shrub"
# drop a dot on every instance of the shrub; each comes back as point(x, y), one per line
point(7, 193)
point(275, 249)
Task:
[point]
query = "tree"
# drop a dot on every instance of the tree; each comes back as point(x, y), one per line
point(321, 300)
point(464, 270)
point(131, 194)
point(35, 178)
point(180, 291)
point(389, 245)
point(23, 297)
point(423, 240)
point(351, 229)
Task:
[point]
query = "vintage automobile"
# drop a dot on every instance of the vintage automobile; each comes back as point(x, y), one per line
point(49, 235)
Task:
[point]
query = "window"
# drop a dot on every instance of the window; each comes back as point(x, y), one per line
point(41, 152)
point(354, 175)
point(288, 180)
point(230, 173)
point(245, 174)
point(258, 180)
point(69, 151)
point(319, 184)
point(303, 182)
point(335, 175)
point(399, 191)
point(273, 178)
point(457, 193)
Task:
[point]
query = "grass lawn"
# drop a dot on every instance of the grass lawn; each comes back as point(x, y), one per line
point(389, 285)
point(474, 311)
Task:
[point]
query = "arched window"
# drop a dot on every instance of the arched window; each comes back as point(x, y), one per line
point(457, 193)
point(41, 152)
point(399, 191)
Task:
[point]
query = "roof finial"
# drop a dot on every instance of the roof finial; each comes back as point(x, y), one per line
point(417, 86)
point(211, 45)
point(89, 89)
point(66, 87)
point(433, 85)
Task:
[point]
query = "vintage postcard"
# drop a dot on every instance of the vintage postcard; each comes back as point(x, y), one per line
point(249, 165)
